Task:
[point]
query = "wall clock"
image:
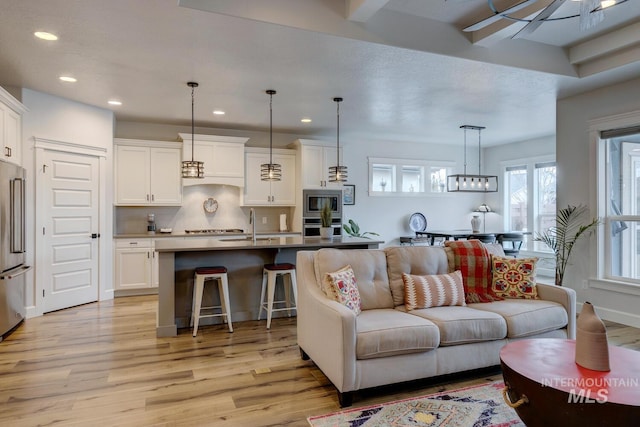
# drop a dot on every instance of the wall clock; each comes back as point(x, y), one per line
point(210, 205)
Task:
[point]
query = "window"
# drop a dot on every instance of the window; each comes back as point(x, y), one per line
point(388, 177)
point(622, 212)
point(530, 198)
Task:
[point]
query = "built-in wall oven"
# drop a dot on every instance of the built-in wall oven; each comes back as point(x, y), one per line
point(314, 201)
point(12, 246)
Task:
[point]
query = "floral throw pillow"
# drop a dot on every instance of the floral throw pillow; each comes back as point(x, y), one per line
point(344, 289)
point(514, 277)
point(433, 290)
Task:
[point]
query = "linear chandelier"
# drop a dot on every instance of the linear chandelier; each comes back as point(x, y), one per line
point(468, 182)
point(270, 171)
point(192, 168)
point(338, 173)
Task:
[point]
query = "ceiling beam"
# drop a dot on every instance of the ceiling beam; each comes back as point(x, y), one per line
point(609, 51)
point(363, 10)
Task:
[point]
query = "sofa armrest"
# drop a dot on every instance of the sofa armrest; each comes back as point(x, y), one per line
point(564, 296)
point(326, 328)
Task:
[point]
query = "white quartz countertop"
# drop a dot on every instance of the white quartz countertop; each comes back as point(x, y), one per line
point(241, 242)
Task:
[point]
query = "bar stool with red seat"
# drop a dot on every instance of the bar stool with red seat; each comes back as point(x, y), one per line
point(202, 274)
point(270, 273)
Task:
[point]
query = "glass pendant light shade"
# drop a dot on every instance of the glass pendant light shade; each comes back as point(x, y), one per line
point(338, 173)
point(192, 168)
point(270, 171)
point(470, 183)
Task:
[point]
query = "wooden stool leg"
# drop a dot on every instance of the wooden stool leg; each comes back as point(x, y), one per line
point(199, 289)
point(193, 301)
point(224, 300)
point(271, 290)
point(264, 287)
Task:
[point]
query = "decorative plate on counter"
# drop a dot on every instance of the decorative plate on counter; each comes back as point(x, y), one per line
point(210, 205)
point(417, 222)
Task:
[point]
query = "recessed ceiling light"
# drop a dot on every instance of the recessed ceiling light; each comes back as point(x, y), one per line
point(68, 79)
point(114, 102)
point(305, 120)
point(45, 36)
point(218, 112)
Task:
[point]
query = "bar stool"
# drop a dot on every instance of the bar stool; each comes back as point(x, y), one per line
point(270, 273)
point(202, 274)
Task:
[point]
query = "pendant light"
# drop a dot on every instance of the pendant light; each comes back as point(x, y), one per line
point(338, 173)
point(270, 171)
point(472, 183)
point(192, 168)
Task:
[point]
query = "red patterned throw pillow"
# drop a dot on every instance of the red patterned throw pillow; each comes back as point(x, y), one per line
point(514, 277)
point(342, 286)
point(474, 262)
point(432, 290)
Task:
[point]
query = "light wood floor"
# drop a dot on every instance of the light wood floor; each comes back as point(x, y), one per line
point(102, 365)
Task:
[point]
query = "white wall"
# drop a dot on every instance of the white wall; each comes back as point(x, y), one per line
point(389, 216)
point(58, 119)
point(577, 184)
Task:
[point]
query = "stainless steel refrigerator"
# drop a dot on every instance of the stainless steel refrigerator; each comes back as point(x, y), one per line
point(12, 246)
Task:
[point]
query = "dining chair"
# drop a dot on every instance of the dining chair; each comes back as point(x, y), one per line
point(511, 243)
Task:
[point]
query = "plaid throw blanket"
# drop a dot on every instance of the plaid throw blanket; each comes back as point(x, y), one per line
point(473, 260)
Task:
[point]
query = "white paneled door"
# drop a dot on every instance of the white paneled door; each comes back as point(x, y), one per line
point(70, 232)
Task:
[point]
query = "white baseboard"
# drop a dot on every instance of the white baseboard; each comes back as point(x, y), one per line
point(32, 312)
point(629, 319)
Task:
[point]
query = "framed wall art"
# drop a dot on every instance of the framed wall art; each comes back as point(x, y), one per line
point(349, 194)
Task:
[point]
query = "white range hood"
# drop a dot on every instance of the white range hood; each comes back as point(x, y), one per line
point(223, 158)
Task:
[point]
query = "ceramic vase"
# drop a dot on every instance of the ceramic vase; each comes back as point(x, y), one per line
point(326, 232)
point(592, 348)
point(475, 223)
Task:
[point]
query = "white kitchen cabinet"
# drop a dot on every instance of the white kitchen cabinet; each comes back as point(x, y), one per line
point(134, 264)
point(148, 173)
point(269, 193)
point(223, 158)
point(315, 158)
point(11, 111)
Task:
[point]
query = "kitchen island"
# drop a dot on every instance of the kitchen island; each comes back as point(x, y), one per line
point(243, 257)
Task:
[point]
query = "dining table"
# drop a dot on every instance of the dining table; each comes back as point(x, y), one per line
point(458, 234)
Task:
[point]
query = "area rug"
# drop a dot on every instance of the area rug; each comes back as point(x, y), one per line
point(475, 406)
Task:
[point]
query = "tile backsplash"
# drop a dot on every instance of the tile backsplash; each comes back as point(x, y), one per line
point(191, 215)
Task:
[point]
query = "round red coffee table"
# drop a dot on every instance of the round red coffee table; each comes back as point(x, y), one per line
point(547, 388)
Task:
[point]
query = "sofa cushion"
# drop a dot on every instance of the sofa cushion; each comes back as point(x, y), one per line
point(421, 260)
point(369, 267)
point(344, 289)
point(433, 290)
point(514, 277)
point(388, 332)
point(472, 259)
point(527, 317)
point(460, 325)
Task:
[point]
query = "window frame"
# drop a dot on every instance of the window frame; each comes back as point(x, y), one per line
point(530, 165)
point(598, 277)
point(397, 165)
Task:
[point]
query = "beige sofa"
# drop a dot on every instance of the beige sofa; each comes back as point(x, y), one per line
point(386, 344)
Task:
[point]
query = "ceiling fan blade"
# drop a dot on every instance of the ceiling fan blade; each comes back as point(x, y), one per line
point(539, 19)
point(498, 16)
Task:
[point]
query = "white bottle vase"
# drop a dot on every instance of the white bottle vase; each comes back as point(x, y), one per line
point(475, 223)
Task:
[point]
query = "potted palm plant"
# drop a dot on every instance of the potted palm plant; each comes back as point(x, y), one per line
point(563, 236)
point(326, 219)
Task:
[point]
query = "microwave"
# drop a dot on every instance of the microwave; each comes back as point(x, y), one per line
point(314, 200)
